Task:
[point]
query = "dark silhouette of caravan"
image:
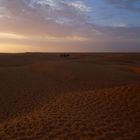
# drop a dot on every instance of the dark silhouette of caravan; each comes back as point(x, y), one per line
point(66, 55)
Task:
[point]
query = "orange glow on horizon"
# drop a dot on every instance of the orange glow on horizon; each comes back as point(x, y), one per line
point(11, 42)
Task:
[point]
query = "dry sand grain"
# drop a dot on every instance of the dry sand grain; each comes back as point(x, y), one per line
point(84, 97)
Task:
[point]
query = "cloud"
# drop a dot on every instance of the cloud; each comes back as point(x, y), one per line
point(63, 18)
point(47, 9)
point(133, 5)
point(58, 23)
point(43, 17)
point(80, 6)
point(11, 36)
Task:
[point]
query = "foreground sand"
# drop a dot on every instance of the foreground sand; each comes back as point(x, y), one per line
point(86, 96)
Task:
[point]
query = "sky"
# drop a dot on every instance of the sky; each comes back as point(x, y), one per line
point(69, 25)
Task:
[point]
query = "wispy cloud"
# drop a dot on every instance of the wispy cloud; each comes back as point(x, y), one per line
point(11, 36)
point(43, 16)
point(133, 5)
point(61, 23)
point(79, 5)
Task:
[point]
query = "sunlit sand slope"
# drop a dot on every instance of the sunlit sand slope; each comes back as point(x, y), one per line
point(106, 114)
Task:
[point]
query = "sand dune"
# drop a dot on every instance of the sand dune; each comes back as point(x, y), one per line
point(102, 114)
point(84, 97)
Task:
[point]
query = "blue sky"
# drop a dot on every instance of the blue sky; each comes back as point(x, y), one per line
point(69, 25)
point(108, 14)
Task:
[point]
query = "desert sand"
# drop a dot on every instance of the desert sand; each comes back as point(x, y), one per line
point(80, 97)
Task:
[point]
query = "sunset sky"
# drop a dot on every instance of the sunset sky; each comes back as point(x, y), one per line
point(69, 25)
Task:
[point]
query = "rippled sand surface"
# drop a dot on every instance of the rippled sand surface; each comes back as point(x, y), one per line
point(82, 97)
